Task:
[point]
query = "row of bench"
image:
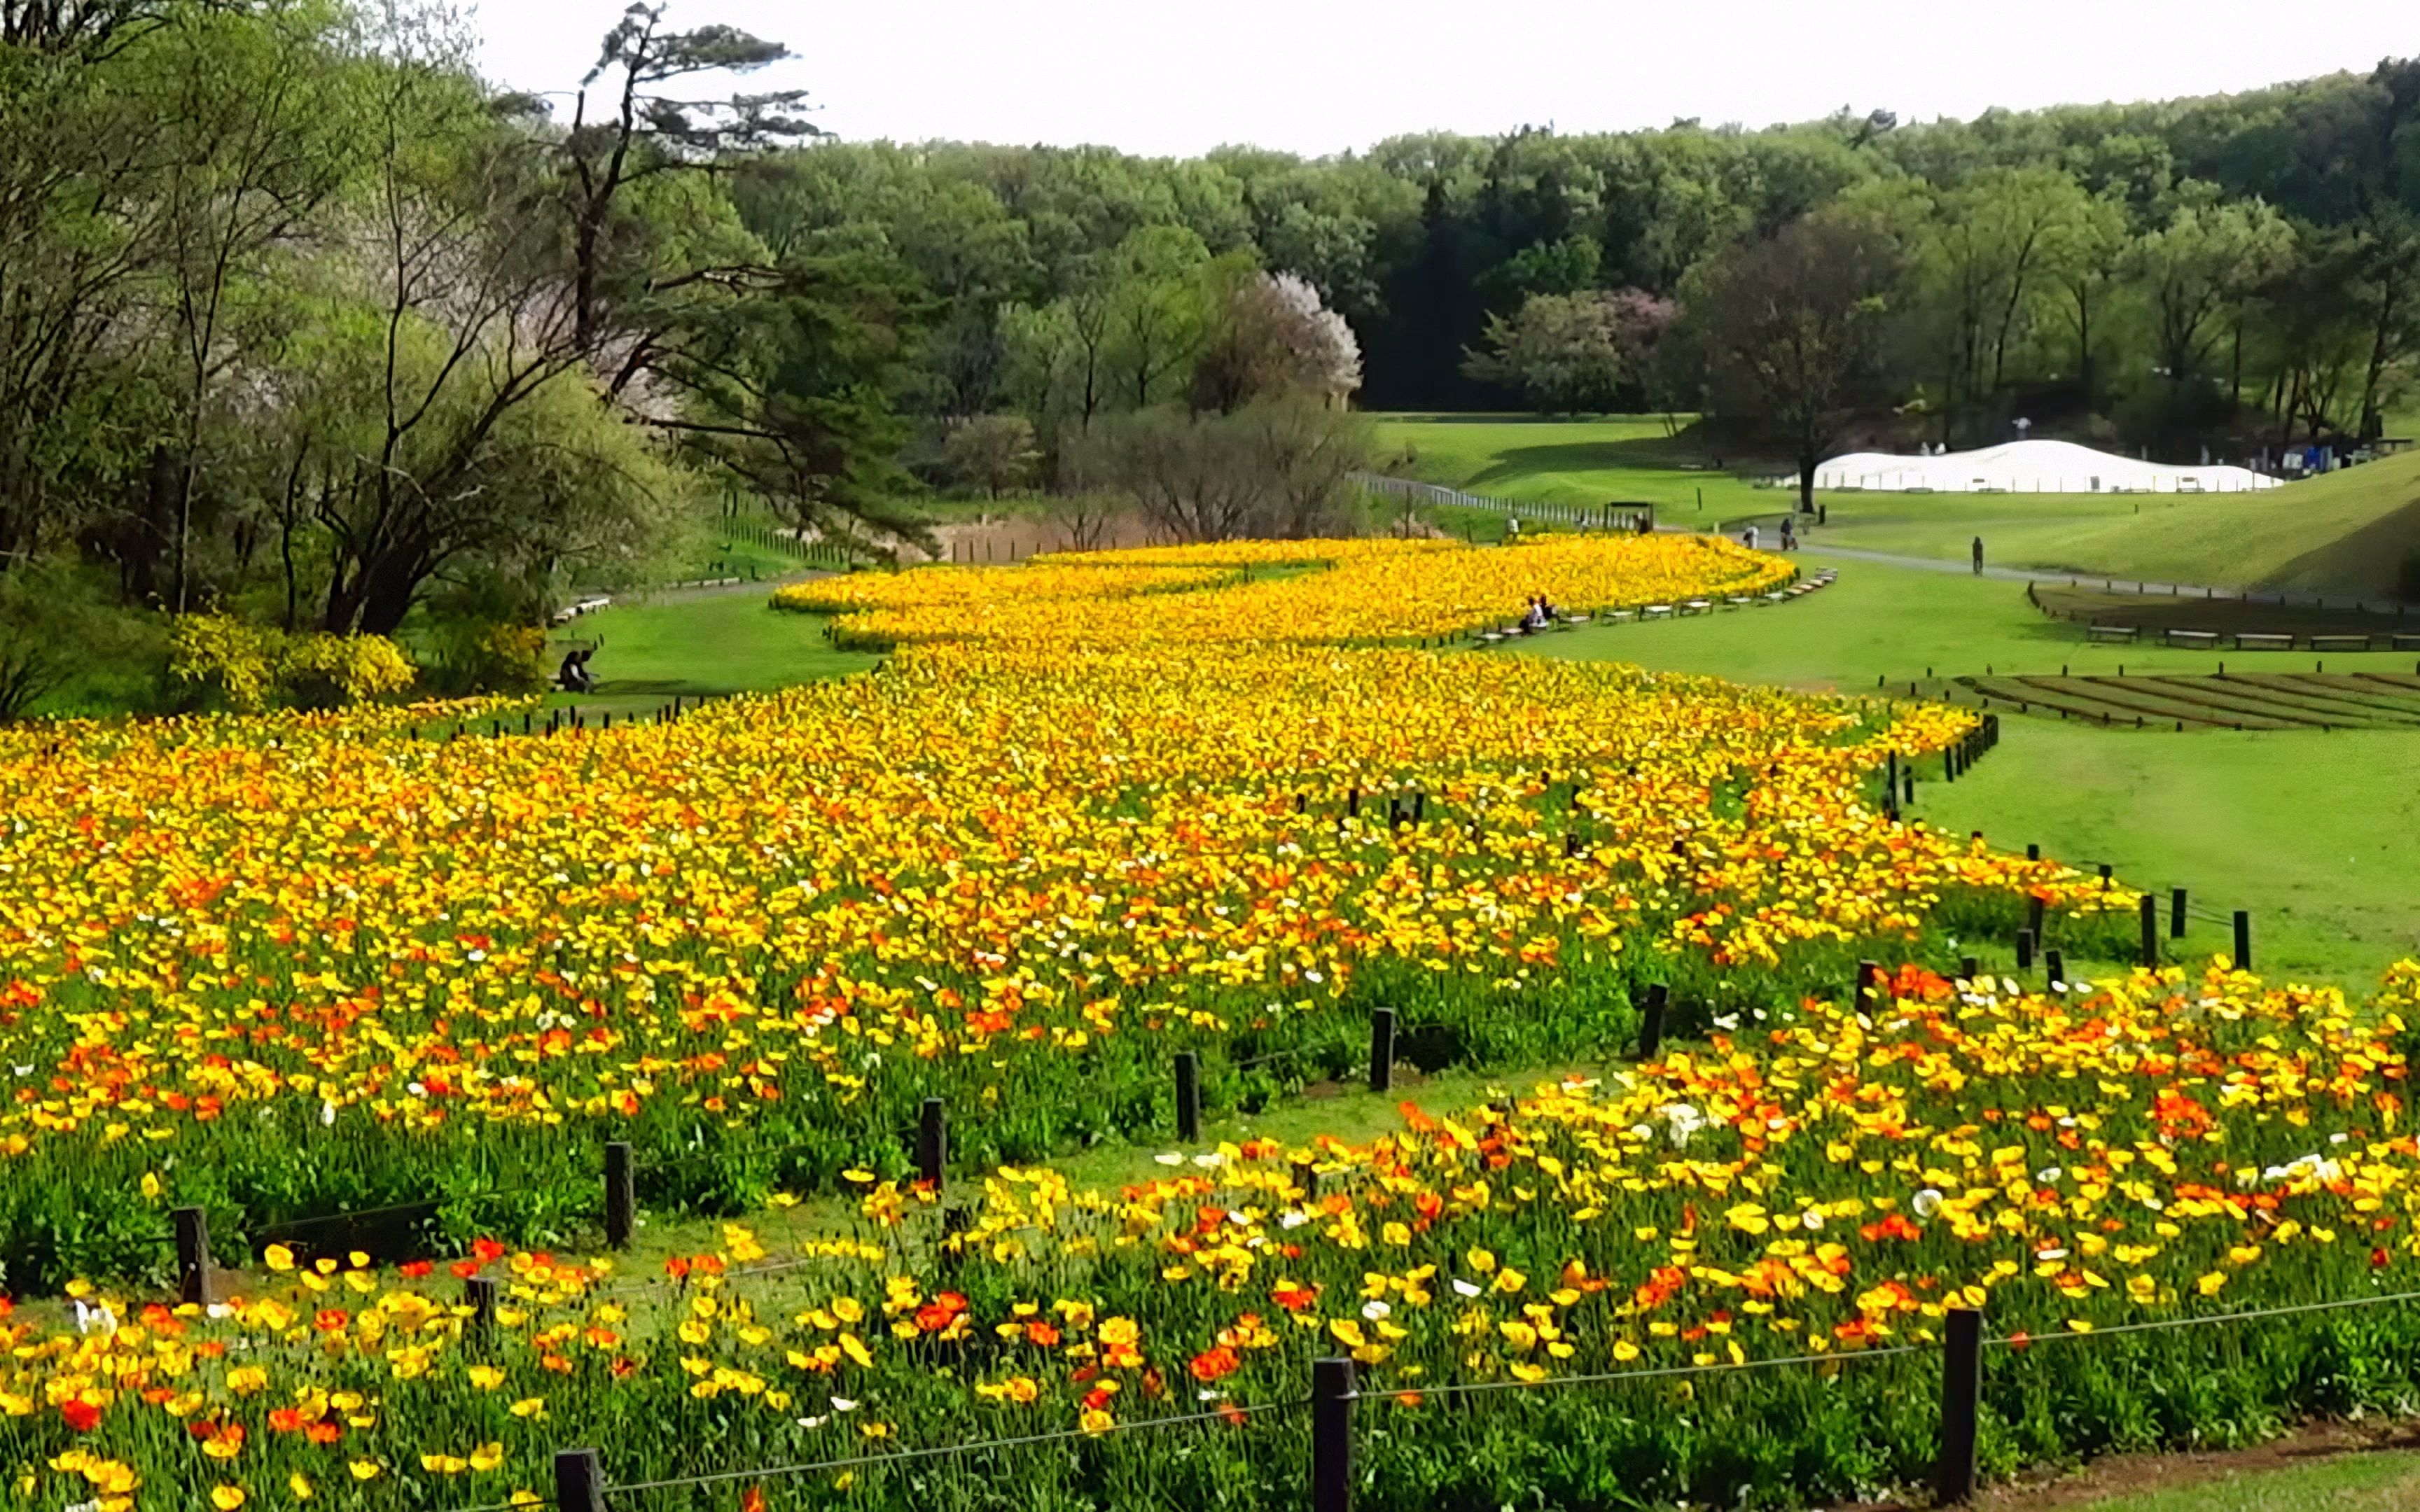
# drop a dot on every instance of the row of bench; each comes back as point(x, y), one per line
point(2250, 640)
point(1676, 610)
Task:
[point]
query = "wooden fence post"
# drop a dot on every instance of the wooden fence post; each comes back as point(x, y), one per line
point(2151, 932)
point(1381, 1050)
point(932, 1142)
point(1870, 983)
point(2055, 968)
point(1971, 968)
point(1961, 1400)
point(579, 1481)
point(1331, 1435)
point(2243, 940)
point(621, 1196)
point(2177, 914)
point(195, 1283)
point(2024, 950)
point(1188, 1097)
point(1650, 1021)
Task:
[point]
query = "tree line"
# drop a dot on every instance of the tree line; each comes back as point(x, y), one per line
point(301, 321)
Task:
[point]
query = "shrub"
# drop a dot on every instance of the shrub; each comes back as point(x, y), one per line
point(216, 653)
point(249, 664)
point(330, 671)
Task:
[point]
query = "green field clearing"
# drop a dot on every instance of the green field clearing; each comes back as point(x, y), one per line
point(2345, 533)
point(706, 643)
point(2348, 533)
point(2314, 832)
point(1590, 462)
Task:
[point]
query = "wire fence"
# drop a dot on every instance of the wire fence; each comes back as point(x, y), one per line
point(582, 1487)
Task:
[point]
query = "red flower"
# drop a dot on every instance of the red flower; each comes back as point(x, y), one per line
point(487, 1250)
point(2377, 1258)
point(81, 1415)
point(415, 1270)
point(752, 1500)
point(1214, 1365)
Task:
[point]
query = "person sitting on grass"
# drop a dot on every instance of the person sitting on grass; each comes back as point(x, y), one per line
point(574, 675)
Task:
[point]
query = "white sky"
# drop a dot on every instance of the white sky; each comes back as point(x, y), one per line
point(1318, 76)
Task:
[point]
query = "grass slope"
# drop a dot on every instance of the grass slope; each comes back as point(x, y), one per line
point(701, 645)
point(1616, 458)
point(2312, 832)
point(2344, 534)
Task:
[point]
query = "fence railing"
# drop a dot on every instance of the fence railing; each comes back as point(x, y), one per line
point(1337, 1391)
point(1618, 515)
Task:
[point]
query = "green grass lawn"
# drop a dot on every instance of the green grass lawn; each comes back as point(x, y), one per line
point(2348, 533)
point(2345, 533)
point(2377, 1481)
point(701, 645)
point(2315, 833)
point(1616, 458)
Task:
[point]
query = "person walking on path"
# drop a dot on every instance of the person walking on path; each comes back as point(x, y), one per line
point(1979, 556)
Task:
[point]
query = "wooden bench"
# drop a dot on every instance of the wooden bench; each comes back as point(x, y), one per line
point(2339, 643)
point(1656, 611)
point(1697, 606)
point(2196, 638)
point(2264, 642)
point(2406, 642)
point(2113, 632)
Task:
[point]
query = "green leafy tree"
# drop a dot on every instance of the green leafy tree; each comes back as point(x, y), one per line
point(1561, 353)
point(1790, 325)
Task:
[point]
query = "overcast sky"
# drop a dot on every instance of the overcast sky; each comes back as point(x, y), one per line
point(1319, 76)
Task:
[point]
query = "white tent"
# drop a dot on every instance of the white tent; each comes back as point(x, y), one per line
point(2029, 467)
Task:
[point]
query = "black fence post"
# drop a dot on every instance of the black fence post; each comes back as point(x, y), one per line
point(932, 1142)
point(579, 1481)
point(2034, 913)
point(1188, 1097)
point(1962, 1399)
point(1650, 1021)
point(621, 1196)
point(2055, 968)
point(1971, 968)
point(1331, 1435)
point(2151, 932)
point(1870, 983)
point(2024, 950)
point(195, 1283)
point(2243, 940)
point(1381, 1050)
point(2177, 914)
point(479, 1293)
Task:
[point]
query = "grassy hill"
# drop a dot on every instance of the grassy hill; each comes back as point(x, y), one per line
point(1629, 459)
point(2348, 533)
point(2345, 533)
